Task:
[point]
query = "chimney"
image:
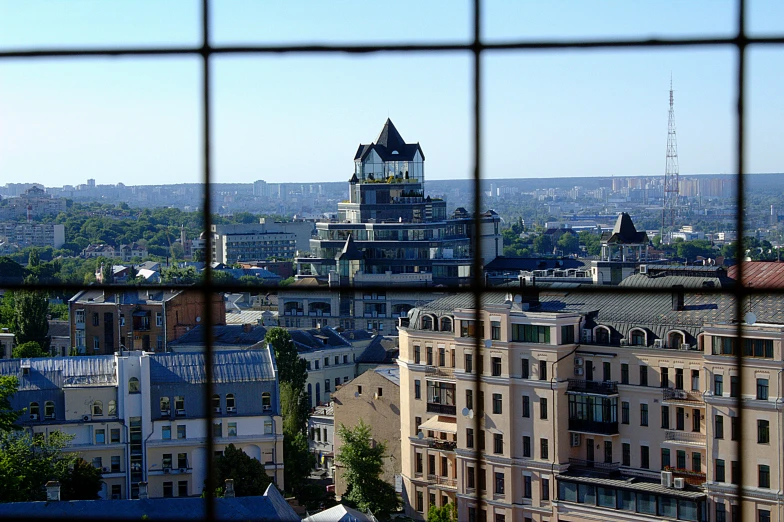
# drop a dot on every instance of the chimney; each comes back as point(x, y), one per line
point(143, 491)
point(52, 491)
point(677, 298)
point(228, 491)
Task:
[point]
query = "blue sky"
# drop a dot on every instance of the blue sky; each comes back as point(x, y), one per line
point(300, 118)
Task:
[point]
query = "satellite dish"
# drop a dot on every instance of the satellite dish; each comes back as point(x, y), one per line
point(420, 435)
point(465, 412)
point(488, 343)
point(518, 299)
point(751, 318)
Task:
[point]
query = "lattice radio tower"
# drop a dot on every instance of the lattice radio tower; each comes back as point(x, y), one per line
point(671, 181)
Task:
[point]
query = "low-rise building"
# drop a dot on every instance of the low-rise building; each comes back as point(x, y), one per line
point(373, 397)
point(321, 438)
point(141, 418)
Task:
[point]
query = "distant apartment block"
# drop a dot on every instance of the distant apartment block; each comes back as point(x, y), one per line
point(141, 417)
point(32, 203)
point(105, 322)
point(124, 253)
point(31, 234)
point(242, 243)
point(619, 407)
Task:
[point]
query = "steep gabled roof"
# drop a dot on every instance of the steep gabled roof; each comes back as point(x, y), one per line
point(624, 232)
point(390, 146)
point(350, 251)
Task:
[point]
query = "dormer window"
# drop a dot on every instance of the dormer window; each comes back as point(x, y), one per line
point(97, 408)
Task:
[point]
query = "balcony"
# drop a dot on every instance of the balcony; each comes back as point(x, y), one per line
point(600, 467)
point(442, 481)
point(442, 445)
point(594, 387)
point(589, 426)
point(673, 396)
point(440, 371)
point(684, 437)
point(443, 409)
point(695, 478)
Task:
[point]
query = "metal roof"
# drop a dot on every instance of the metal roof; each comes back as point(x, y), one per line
point(51, 373)
point(227, 367)
point(391, 373)
point(760, 274)
point(631, 483)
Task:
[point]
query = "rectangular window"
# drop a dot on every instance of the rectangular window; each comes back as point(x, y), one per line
point(763, 515)
point(606, 371)
point(721, 512)
point(734, 390)
point(665, 377)
point(763, 432)
point(497, 404)
point(719, 472)
point(542, 370)
point(495, 330)
point(337, 360)
point(498, 443)
point(115, 464)
point(764, 476)
point(100, 436)
point(544, 449)
point(718, 385)
point(316, 364)
point(417, 389)
point(420, 501)
point(482, 479)
point(695, 380)
point(181, 432)
point(526, 406)
point(158, 319)
point(665, 458)
point(166, 432)
point(499, 483)
point(496, 366)
point(527, 489)
point(643, 376)
point(626, 454)
point(645, 457)
point(545, 489)
point(525, 371)
point(97, 462)
point(95, 319)
point(526, 446)
point(96, 343)
point(168, 489)
point(718, 431)
point(643, 414)
point(529, 333)
point(665, 417)
point(417, 354)
point(734, 428)
point(182, 488)
point(762, 389)
point(734, 472)
point(469, 399)
point(696, 418)
point(696, 462)
point(542, 408)
point(680, 459)
point(678, 378)
point(469, 438)
point(429, 355)
point(442, 357)
point(470, 477)
point(327, 385)
point(469, 363)
point(624, 412)
point(166, 461)
point(182, 460)
point(624, 373)
point(567, 334)
point(232, 429)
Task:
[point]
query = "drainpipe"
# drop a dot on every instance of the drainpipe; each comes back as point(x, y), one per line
point(552, 388)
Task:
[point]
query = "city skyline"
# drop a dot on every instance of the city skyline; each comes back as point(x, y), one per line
point(586, 113)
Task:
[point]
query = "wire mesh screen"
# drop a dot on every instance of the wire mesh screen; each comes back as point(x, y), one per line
point(478, 49)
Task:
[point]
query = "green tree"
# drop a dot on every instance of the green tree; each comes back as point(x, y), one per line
point(291, 367)
point(30, 321)
point(10, 271)
point(8, 416)
point(34, 258)
point(542, 244)
point(569, 243)
point(28, 350)
point(362, 464)
point(299, 462)
point(446, 513)
point(82, 483)
point(250, 477)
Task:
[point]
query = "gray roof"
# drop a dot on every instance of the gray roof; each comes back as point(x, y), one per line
point(380, 350)
point(632, 483)
point(691, 277)
point(323, 338)
point(223, 335)
point(271, 506)
point(624, 232)
point(391, 373)
point(389, 140)
point(340, 513)
point(52, 373)
point(125, 297)
point(227, 367)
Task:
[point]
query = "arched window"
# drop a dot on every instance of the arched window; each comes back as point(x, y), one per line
point(638, 337)
point(216, 403)
point(427, 322)
point(34, 410)
point(675, 339)
point(49, 409)
point(266, 401)
point(165, 406)
point(230, 403)
point(97, 408)
point(112, 408)
point(446, 324)
point(602, 335)
point(133, 385)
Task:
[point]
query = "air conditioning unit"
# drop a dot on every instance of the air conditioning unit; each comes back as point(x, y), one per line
point(266, 407)
point(166, 471)
point(643, 269)
point(180, 412)
point(183, 470)
point(231, 409)
point(624, 341)
point(586, 336)
point(165, 413)
point(87, 418)
point(575, 440)
point(578, 361)
point(679, 483)
point(217, 409)
point(106, 470)
point(578, 370)
point(666, 479)
point(33, 416)
point(658, 343)
point(685, 346)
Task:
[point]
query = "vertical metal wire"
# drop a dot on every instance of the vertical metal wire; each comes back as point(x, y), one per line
point(207, 287)
point(740, 290)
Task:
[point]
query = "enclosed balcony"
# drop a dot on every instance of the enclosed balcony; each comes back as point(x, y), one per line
point(441, 398)
point(689, 398)
point(594, 387)
point(593, 414)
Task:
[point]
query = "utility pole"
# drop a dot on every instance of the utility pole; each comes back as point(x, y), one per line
point(671, 181)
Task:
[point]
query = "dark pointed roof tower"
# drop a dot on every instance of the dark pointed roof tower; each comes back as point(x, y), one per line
point(350, 251)
point(624, 232)
point(390, 145)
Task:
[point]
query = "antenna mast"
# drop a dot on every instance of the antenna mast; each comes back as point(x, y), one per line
point(671, 181)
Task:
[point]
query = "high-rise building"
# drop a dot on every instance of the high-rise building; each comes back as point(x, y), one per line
point(593, 407)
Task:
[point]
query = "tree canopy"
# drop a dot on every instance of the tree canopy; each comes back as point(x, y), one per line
point(445, 513)
point(29, 349)
point(250, 477)
point(291, 367)
point(8, 416)
point(30, 322)
point(362, 464)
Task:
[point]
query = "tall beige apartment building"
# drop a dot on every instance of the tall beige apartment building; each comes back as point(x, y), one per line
point(594, 407)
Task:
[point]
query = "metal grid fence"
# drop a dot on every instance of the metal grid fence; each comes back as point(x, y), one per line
point(478, 48)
